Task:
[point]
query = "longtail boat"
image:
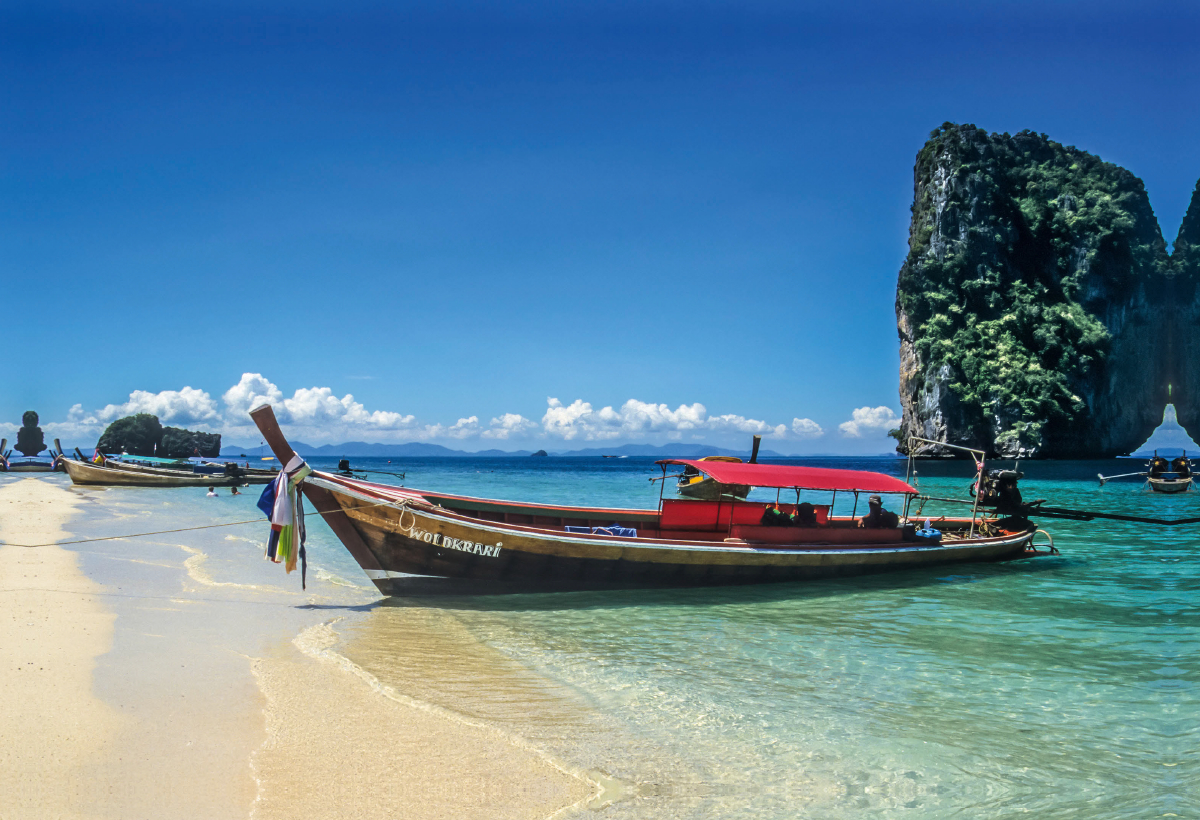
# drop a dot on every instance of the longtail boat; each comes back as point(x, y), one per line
point(206, 468)
point(1162, 476)
point(1175, 477)
point(395, 533)
point(118, 474)
point(1169, 484)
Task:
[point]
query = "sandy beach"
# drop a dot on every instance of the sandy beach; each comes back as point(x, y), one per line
point(160, 697)
point(53, 626)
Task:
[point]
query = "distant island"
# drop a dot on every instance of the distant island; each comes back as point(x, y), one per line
point(362, 449)
point(143, 434)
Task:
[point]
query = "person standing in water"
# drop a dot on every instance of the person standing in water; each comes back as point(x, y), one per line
point(212, 492)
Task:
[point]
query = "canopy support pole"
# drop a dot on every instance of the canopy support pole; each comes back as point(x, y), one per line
point(660, 492)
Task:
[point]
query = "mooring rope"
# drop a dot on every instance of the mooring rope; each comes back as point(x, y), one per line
point(403, 504)
point(132, 535)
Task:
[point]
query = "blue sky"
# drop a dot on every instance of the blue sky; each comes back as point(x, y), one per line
point(690, 213)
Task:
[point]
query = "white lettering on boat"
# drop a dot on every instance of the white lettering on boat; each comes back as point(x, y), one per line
point(439, 540)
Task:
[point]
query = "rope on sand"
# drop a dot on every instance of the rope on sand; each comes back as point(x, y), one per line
point(181, 529)
point(132, 535)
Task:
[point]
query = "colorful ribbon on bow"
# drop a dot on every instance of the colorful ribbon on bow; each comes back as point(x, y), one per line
point(284, 507)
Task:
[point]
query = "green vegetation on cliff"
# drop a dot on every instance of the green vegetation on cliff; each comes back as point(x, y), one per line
point(1019, 248)
point(179, 443)
point(144, 435)
point(1185, 258)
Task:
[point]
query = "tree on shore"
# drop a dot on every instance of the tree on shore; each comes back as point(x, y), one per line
point(144, 435)
point(136, 435)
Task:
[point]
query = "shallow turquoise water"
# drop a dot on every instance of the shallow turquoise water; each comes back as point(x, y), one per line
point(1062, 687)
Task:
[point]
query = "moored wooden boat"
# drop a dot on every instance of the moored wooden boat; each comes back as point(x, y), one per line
point(31, 464)
point(1169, 477)
point(204, 470)
point(116, 474)
point(395, 533)
point(1169, 484)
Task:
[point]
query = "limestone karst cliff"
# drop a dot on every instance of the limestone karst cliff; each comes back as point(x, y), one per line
point(1184, 341)
point(1030, 306)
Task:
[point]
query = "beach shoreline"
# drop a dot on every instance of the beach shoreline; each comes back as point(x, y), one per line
point(336, 735)
point(162, 692)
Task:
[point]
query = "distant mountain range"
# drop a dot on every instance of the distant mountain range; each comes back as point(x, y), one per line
point(362, 449)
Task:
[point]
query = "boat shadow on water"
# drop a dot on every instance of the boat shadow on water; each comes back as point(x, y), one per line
point(454, 593)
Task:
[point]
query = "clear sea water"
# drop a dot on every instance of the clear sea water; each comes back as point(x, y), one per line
point(1054, 687)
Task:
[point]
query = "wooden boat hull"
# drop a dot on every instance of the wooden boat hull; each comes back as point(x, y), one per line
point(394, 541)
point(94, 475)
point(252, 475)
point(29, 467)
point(1169, 485)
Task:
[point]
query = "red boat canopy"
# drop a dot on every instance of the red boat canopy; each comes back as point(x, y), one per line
point(795, 477)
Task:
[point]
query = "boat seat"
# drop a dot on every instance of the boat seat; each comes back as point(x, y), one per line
point(702, 516)
point(815, 535)
point(678, 514)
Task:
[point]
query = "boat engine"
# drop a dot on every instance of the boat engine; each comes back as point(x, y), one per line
point(999, 489)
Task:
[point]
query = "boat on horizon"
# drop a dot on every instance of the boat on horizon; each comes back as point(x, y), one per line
point(1174, 476)
point(1163, 476)
point(395, 533)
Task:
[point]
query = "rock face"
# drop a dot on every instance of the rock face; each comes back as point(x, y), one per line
point(1184, 340)
point(1031, 305)
point(30, 440)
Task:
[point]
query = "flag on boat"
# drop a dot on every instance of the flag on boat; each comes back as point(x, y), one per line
point(283, 505)
point(97, 457)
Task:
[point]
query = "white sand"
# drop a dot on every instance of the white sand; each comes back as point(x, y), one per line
point(52, 629)
point(186, 733)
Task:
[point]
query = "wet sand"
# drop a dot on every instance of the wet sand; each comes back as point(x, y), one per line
point(164, 693)
point(341, 745)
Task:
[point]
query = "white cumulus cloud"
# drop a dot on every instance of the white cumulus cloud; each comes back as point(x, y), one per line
point(806, 428)
point(250, 391)
point(868, 419)
point(186, 406)
point(580, 420)
point(308, 407)
point(317, 414)
point(509, 425)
